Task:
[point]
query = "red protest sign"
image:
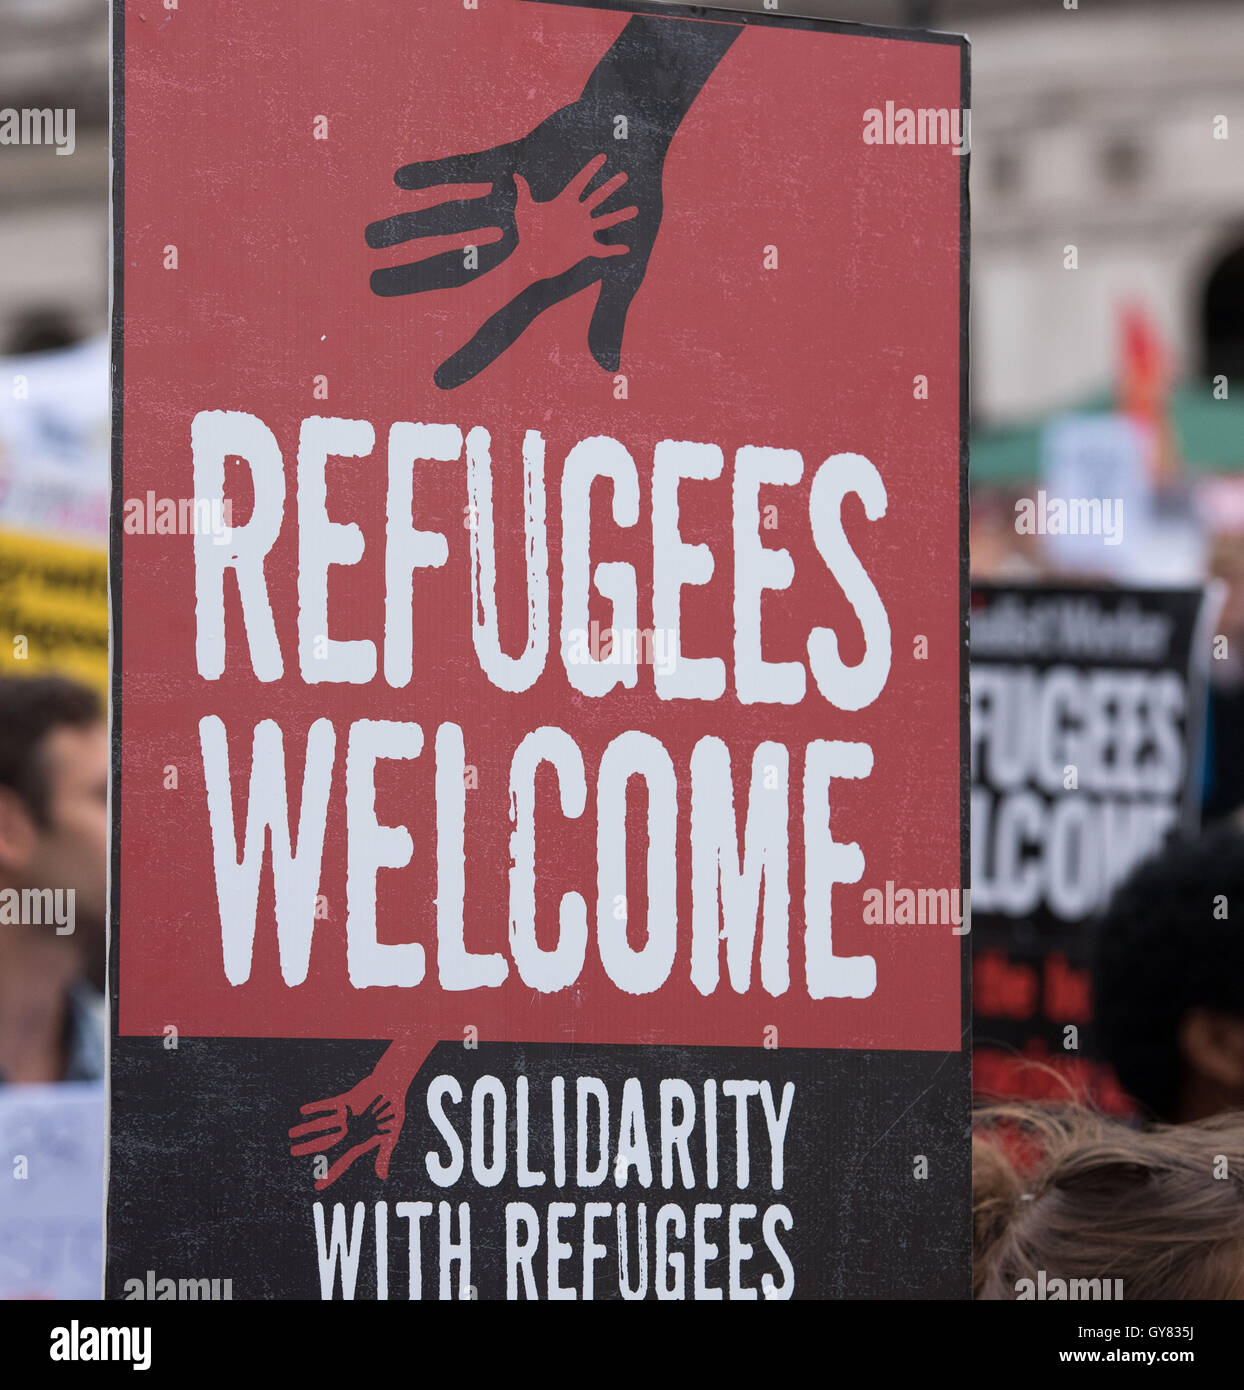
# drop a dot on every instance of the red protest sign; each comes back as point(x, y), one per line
point(579, 642)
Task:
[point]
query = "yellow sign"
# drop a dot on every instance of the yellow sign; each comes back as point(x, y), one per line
point(53, 608)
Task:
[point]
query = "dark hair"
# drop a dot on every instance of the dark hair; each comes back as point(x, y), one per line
point(1161, 949)
point(31, 708)
point(1064, 1192)
point(40, 330)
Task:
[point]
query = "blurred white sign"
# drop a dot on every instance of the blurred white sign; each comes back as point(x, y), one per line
point(54, 442)
point(52, 1190)
point(1094, 469)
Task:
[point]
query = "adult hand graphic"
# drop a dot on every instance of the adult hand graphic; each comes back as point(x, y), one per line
point(631, 107)
point(368, 1117)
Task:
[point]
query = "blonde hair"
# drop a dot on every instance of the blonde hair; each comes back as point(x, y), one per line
point(1065, 1191)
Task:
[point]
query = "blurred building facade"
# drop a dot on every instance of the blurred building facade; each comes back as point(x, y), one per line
point(1116, 128)
point(54, 208)
point(1120, 133)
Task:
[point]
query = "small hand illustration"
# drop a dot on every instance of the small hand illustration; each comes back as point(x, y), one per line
point(371, 1123)
point(556, 235)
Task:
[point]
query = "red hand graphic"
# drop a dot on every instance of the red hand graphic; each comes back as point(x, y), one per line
point(367, 1117)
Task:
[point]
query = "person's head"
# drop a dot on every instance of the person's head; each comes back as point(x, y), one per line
point(1062, 1193)
point(1168, 978)
point(54, 798)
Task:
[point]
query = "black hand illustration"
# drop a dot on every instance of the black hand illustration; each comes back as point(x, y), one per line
point(363, 1125)
point(649, 78)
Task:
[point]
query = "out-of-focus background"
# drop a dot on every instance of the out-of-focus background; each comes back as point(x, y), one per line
point(54, 210)
point(1107, 336)
point(53, 346)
